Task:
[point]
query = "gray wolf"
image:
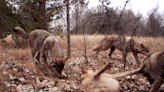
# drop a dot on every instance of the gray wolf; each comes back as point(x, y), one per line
point(130, 45)
point(154, 69)
point(102, 82)
point(48, 47)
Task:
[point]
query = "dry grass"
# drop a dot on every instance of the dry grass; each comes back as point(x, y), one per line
point(77, 41)
point(91, 40)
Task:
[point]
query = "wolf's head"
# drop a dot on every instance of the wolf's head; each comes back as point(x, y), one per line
point(59, 64)
point(145, 48)
point(145, 70)
point(142, 47)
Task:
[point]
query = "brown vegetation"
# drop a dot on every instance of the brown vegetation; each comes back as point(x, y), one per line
point(15, 64)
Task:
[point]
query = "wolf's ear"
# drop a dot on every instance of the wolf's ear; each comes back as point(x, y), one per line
point(142, 45)
point(64, 59)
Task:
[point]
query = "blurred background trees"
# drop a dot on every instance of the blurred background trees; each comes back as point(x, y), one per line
point(101, 21)
point(28, 14)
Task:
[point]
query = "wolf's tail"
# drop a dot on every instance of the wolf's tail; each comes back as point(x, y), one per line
point(21, 32)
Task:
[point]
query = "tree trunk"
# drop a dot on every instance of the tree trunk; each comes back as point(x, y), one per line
point(68, 31)
point(77, 17)
point(42, 19)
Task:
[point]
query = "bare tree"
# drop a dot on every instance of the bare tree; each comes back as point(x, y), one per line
point(119, 28)
point(153, 24)
point(78, 12)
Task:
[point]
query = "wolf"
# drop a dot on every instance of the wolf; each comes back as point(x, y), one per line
point(154, 69)
point(102, 82)
point(129, 45)
point(48, 47)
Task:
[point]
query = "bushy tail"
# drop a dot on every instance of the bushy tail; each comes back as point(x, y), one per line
point(21, 32)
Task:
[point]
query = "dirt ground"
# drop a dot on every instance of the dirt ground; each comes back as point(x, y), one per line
point(19, 74)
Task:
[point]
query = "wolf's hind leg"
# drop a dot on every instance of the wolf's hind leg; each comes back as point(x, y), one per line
point(33, 52)
point(111, 51)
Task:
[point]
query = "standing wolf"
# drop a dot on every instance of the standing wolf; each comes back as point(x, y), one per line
point(43, 42)
point(154, 69)
point(130, 45)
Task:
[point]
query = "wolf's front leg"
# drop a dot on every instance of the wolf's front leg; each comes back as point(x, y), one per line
point(136, 57)
point(44, 60)
point(44, 57)
point(49, 57)
point(156, 84)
